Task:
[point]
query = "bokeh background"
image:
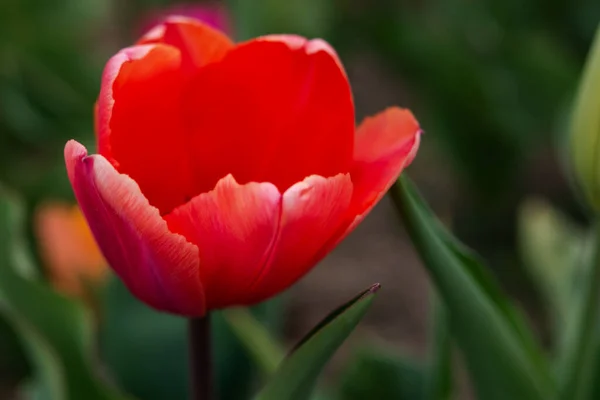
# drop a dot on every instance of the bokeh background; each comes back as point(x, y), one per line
point(491, 82)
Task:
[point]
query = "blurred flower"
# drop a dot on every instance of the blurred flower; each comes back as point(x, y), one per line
point(226, 172)
point(68, 249)
point(212, 14)
point(585, 128)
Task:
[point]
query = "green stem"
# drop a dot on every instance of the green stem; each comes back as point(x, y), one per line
point(578, 360)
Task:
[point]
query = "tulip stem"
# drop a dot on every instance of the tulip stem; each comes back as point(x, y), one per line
point(201, 368)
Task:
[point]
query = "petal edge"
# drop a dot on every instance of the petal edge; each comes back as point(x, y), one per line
point(234, 227)
point(159, 267)
point(385, 144)
point(312, 211)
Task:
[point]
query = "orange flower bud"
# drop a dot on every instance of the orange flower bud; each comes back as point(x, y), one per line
point(68, 249)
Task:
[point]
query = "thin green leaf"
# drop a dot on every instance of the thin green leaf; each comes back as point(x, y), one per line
point(499, 350)
point(56, 331)
point(297, 375)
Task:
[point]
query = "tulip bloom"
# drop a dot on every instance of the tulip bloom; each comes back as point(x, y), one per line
point(226, 172)
point(68, 249)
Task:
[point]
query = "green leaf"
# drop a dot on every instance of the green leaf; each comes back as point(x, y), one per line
point(499, 349)
point(57, 332)
point(375, 373)
point(296, 377)
point(439, 385)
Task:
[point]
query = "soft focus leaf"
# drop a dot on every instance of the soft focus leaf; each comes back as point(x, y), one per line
point(584, 131)
point(297, 375)
point(499, 350)
point(551, 247)
point(380, 374)
point(57, 332)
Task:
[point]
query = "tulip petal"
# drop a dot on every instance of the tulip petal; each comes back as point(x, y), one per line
point(198, 43)
point(312, 212)
point(159, 267)
point(385, 144)
point(275, 109)
point(139, 123)
point(234, 227)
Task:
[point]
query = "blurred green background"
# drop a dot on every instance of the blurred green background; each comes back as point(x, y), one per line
point(491, 82)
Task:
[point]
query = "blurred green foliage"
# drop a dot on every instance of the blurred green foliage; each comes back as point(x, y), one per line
point(487, 79)
point(554, 249)
point(502, 355)
point(57, 332)
point(490, 80)
point(374, 373)
point(50, 62)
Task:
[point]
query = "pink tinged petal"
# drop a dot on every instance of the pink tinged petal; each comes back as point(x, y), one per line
point(234, 227)
point(312, 212)
point(159, 267)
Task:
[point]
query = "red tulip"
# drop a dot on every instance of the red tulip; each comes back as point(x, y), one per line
point(226, 172)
